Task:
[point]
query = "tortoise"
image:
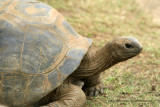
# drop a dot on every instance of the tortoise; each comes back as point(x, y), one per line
point(45, 62)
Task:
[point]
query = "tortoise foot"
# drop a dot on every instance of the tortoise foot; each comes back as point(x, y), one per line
point(94, 91)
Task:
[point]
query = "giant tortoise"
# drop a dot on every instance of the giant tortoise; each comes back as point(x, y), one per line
point(45, 62)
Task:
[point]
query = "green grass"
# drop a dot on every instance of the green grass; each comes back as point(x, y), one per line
point(130, 82)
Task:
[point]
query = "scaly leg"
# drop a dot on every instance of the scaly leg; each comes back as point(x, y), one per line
point(93, 85)
point(66, 95)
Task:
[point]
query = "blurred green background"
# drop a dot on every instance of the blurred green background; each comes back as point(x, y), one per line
point(133, 83)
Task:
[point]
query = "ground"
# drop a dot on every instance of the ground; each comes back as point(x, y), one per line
point(151, 7)
point(135, 82)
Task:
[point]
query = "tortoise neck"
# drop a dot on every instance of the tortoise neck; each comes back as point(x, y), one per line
point(96, 61)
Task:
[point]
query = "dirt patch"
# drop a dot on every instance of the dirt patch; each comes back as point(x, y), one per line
point(152, 7)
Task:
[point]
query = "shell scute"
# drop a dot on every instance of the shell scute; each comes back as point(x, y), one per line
point(13, 87)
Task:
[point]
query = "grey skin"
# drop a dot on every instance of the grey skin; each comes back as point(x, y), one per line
point(70, 94)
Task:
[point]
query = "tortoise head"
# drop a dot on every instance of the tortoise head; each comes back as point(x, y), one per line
point(123, 48)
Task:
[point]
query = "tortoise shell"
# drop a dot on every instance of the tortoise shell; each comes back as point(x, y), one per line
point(38, 50)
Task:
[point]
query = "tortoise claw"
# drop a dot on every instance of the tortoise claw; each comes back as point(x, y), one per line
point(94, 91)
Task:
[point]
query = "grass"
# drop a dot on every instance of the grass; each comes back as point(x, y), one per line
point(135, 82)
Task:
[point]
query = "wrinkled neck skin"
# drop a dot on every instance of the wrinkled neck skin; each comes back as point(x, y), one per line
point(97, 61)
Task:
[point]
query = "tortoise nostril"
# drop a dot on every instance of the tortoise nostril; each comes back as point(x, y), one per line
point(129, 46)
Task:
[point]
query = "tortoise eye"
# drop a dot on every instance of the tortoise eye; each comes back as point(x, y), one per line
point(128, 46)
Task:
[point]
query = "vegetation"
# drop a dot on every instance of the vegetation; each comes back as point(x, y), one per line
point(135, 82)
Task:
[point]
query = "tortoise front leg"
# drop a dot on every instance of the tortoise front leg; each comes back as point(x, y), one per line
point(93, 85)
point(72, 96)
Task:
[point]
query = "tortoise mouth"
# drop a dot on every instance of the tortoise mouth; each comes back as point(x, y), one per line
point(133, 52)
